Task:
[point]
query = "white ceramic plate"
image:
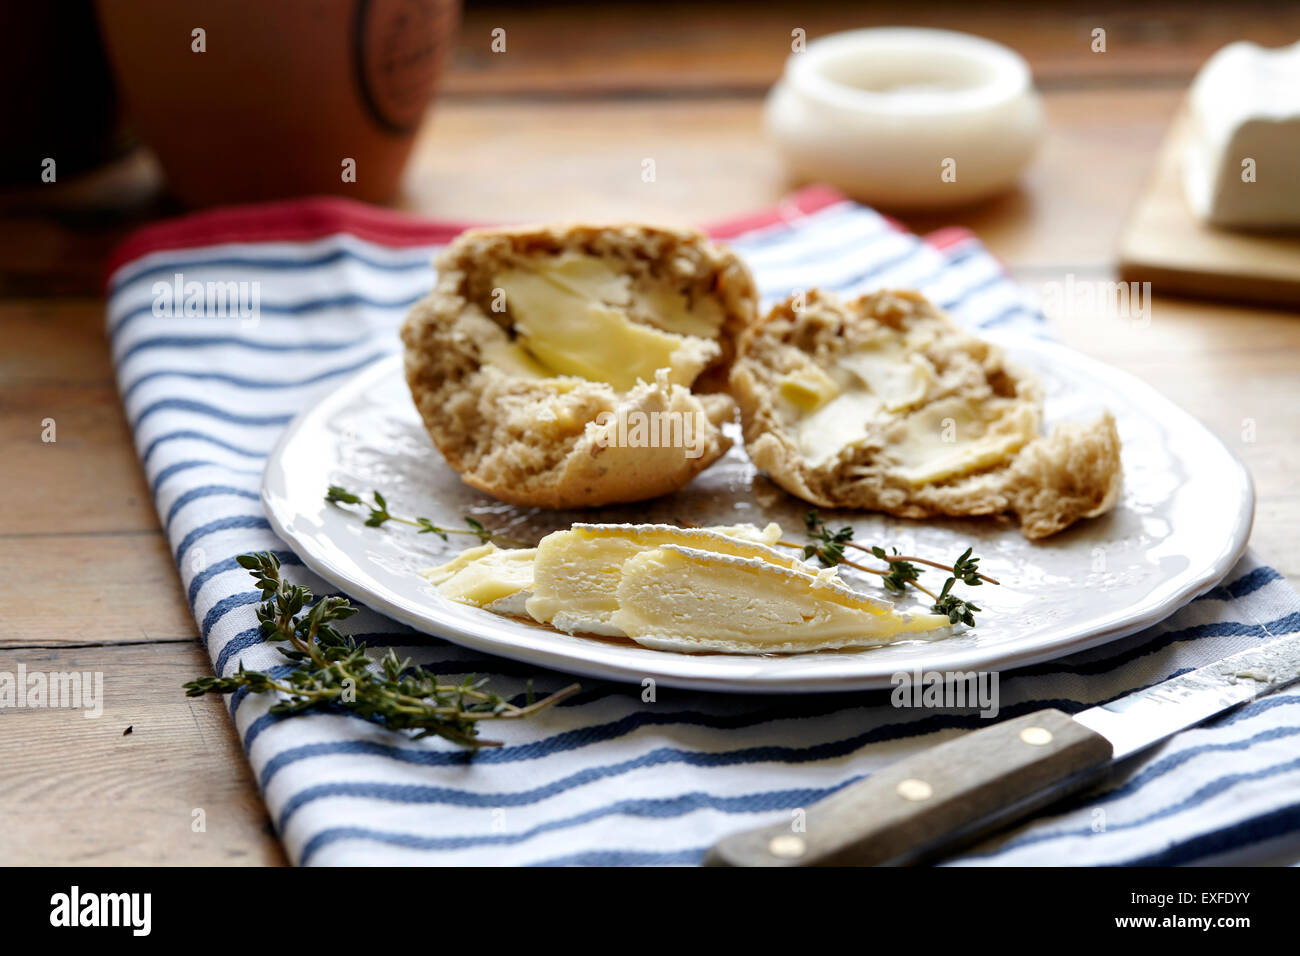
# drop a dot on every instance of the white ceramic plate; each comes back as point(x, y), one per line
point(1181, 524)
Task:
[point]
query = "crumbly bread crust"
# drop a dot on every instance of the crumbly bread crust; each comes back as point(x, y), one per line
point(537, 442)
point(1074, 472)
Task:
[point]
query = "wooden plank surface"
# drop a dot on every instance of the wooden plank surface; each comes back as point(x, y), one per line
point(493, 160)
point(115, 588)
point(739, 45)
point(556, 128)
point(79, 790)
point(1238, 371)
point(1164, 243)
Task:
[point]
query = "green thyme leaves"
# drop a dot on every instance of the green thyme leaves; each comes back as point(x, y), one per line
point(335, 671)
point(901, 572)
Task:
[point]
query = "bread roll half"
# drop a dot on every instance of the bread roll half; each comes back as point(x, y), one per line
point(575, 366)
point(882, 403)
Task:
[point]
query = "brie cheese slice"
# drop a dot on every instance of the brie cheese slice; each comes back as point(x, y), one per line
point(720, 589)
point(498, 579)
point(676, 598)
point(576, 573)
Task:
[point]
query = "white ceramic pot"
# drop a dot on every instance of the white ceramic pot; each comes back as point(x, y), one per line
point(904, 117)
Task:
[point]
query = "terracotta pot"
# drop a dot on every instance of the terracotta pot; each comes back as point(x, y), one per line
point(274, 99)
point(59, 102)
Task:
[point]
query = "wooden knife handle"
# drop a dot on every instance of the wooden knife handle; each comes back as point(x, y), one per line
point(906, 810)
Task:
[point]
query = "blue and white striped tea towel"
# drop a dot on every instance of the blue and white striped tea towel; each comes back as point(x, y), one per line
point(606, 778)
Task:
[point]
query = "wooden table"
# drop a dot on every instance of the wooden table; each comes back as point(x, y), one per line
point(555, 128)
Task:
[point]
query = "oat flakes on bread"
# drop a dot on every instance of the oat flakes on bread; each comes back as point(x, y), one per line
point(537, 343)
point(882, 403)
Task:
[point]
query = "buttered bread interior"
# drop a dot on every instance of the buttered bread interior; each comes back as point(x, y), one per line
point(882, 403)
point(578, 366)
point(578, 315)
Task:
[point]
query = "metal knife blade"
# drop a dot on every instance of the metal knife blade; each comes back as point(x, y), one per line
point(928, 804)
point(1152, 714)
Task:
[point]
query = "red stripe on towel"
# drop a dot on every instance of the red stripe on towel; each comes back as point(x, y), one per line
point(315, 217)
point(291, 220)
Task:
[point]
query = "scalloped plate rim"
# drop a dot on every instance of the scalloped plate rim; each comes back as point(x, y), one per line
point(533, 645)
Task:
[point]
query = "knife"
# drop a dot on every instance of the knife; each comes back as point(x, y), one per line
point(948, 796)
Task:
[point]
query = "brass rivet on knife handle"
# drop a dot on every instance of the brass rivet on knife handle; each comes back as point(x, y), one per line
point(787, 846)
point(913, 789)
point(969, 779)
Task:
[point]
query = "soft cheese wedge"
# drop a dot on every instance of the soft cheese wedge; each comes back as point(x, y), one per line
point(675, 598)
point(723, 589)
point(502, 579)
point(576, 573)
point(498, 579)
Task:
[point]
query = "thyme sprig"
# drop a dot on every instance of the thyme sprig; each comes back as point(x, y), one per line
point(379, 515)
point(901, 570)
point(334, 670)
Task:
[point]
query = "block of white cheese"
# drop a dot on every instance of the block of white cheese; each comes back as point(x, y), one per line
point(1242, 165)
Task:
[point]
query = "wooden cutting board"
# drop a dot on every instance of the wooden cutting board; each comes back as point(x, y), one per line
point(1165, 244)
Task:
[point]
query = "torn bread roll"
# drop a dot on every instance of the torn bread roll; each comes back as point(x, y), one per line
point(882, 403)
point(576, 366)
